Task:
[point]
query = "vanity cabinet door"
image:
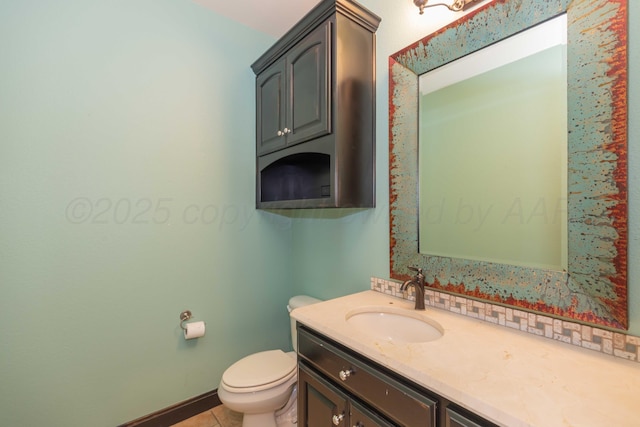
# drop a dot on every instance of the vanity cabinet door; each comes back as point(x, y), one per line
point(319, 403)
point(458, 418)
point(362, 417)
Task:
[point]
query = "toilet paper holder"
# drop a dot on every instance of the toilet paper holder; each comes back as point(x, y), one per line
point(184, 316)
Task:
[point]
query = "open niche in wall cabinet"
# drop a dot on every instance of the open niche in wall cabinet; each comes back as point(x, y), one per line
point(315, 118)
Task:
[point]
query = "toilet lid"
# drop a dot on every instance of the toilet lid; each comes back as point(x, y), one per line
point(259, 369)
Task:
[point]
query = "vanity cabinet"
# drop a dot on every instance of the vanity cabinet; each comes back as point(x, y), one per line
point(337, 386)
point(315, 111)
point(326, 405)
point(394, 402)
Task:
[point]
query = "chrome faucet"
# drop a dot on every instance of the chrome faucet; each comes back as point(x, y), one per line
point(418, 285)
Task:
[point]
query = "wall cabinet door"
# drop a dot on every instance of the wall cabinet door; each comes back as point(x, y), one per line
point(292, 95)
point(270, 112)
point(309, 98)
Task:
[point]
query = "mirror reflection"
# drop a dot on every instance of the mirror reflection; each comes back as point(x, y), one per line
point(493, 152)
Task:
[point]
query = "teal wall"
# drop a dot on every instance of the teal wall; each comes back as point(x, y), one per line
point(149, 104)
point(356, 246)
point(127, 196)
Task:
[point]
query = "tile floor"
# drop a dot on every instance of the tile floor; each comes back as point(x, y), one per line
point(220, 416)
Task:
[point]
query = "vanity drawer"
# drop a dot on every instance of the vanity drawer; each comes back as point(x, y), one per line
point(399, 401)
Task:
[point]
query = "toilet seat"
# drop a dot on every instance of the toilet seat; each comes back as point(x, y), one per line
point(259, 371)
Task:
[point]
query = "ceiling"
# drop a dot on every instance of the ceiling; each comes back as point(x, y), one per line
point(273, 17)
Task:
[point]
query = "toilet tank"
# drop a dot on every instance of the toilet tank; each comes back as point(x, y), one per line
point(295, 302)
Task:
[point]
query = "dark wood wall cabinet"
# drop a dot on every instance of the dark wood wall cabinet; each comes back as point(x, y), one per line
point(315, 112)
point(337, 386)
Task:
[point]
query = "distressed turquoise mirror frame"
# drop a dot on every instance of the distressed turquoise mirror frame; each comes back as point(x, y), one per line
point(594, 287)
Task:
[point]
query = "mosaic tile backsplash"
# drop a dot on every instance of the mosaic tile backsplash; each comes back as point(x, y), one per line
point(612, 343)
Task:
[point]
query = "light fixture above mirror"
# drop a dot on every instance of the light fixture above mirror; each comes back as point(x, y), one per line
point(455, 6)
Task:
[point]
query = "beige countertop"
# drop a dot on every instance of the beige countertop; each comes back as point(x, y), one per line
point(509, 377)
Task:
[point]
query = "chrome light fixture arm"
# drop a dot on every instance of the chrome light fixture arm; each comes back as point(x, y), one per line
point(456, 6)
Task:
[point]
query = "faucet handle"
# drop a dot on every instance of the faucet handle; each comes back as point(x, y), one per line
point(416, 269)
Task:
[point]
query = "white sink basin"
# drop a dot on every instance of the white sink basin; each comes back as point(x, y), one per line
point(395, 324)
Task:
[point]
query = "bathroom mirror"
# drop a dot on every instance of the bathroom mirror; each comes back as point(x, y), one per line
point(492, 156)
point(587, 282)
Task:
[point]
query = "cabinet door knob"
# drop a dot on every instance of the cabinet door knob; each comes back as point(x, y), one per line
point(345, 374)
point(337, 419)
point(287, 130)
point(280, 133)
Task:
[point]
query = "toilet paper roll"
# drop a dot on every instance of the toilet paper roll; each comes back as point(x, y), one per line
point(194, 330)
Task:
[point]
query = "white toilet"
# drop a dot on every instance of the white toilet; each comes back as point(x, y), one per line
point(262, 385)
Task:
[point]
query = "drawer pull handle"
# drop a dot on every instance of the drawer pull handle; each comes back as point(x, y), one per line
point(345, 374)
point(337, 419)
